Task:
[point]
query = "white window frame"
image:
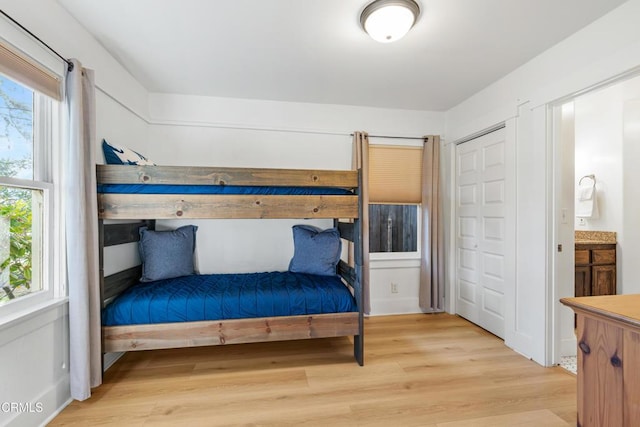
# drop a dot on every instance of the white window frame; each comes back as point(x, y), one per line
point(46, 138)
point(400, 256)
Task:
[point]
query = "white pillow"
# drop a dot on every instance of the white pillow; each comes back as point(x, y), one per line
point(114, 155)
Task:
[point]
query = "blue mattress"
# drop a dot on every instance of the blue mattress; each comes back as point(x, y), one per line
point(217, 189)
point(228, 296)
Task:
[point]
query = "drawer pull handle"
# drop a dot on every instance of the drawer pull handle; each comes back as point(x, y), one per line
point(584, 347)
point(615, 361)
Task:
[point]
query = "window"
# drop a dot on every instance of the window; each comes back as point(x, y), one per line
point(26, 136)
point(393, 228)
point(395, 175)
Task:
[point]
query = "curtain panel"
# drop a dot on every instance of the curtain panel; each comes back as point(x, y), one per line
point(431, 292)
point(360, 160)
point(81, 233)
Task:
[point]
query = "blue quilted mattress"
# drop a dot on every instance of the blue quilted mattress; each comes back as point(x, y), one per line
point(228, 296)
point(217, 189)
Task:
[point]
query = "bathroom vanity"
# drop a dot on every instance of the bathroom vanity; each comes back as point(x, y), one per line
point(595, 263)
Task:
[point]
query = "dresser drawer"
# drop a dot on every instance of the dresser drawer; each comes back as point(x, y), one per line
point(603, 256)
point(582, 257)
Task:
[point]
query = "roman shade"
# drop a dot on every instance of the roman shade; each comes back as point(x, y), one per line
point(22, 69)
point(395, 174)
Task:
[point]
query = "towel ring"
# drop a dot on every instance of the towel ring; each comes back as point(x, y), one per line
point(591, 177)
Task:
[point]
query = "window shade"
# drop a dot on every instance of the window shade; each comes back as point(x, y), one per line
point(395, 174)
point(26, 71)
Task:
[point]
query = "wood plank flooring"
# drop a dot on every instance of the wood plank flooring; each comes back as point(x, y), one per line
point(432, 370)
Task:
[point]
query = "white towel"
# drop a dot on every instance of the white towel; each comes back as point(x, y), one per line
point(586, 193)
point(587, 202)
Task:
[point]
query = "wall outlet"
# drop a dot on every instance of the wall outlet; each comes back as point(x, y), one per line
point(582, 221)
point(394, 288)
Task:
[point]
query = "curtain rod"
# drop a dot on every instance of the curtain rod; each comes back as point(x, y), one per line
point(23, 28)
point(420, 138)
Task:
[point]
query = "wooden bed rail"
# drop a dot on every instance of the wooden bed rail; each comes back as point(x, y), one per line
point(224, 206)
point(119, 233)
point(348, 273)
point(254, 206)
point(192, 175)
point(236, 331)
point(347, 229)
point(113, 235)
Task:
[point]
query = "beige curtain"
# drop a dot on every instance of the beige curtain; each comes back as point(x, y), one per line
point(81, 228)
point(432, 261)
point(361, 161)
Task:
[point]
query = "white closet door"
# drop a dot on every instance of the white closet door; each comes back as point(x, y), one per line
point(480, 231)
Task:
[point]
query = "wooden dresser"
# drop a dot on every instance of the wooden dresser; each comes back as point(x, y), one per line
point(608, 333)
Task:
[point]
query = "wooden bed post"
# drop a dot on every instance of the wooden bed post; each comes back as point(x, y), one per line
point(101, 282)
point(358, 340)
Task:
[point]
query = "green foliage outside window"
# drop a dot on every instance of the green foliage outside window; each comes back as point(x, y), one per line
point(16, 154)
point(15, 270)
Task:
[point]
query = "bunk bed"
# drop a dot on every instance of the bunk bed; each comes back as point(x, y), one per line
point(143, 194)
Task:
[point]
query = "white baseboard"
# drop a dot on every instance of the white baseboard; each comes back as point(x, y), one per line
point(387, 306)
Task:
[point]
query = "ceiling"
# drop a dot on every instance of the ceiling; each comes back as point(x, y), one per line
point(315, 50)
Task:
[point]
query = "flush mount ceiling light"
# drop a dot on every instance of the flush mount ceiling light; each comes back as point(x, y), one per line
point(389, 20)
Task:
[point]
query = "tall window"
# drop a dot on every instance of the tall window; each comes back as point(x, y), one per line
point(25, 182)
point(21, 205)
point(395, 175)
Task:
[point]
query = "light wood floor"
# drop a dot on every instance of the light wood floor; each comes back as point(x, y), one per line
point(420, 370)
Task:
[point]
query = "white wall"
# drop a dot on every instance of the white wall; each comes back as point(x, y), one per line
point(34, 348)
point(598, 151)
point(603, 50)
point(194, 130)
point(629, 245)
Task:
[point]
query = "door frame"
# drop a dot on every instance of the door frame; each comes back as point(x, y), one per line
point(554, 307)
point(561, 341)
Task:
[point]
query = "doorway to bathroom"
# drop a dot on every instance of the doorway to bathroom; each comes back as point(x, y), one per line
point(596, 199)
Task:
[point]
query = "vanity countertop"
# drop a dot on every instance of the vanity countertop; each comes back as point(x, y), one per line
point(595, 237)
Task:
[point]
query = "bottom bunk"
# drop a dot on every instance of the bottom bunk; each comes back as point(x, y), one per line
point(219, 309)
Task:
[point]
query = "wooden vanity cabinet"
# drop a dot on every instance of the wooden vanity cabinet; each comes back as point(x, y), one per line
point(595, 269)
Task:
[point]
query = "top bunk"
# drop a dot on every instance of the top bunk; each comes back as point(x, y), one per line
point(181, 192)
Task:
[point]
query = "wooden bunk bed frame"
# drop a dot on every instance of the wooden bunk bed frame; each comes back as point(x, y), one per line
point(347, 211)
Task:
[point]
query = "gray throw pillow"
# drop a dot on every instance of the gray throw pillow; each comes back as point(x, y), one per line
point(316, 251)
point(167, 254)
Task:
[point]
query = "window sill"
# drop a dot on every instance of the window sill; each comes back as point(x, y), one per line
point(390, 256)
point(394, 262)
point(21, 317)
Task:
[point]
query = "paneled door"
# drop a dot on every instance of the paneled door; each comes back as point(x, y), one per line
point(480, 231)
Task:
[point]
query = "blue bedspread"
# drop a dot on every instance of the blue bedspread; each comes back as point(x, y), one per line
point(228, 296)
point(217, 189)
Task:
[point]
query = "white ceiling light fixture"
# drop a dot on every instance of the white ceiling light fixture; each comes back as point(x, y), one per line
point(389, 20)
